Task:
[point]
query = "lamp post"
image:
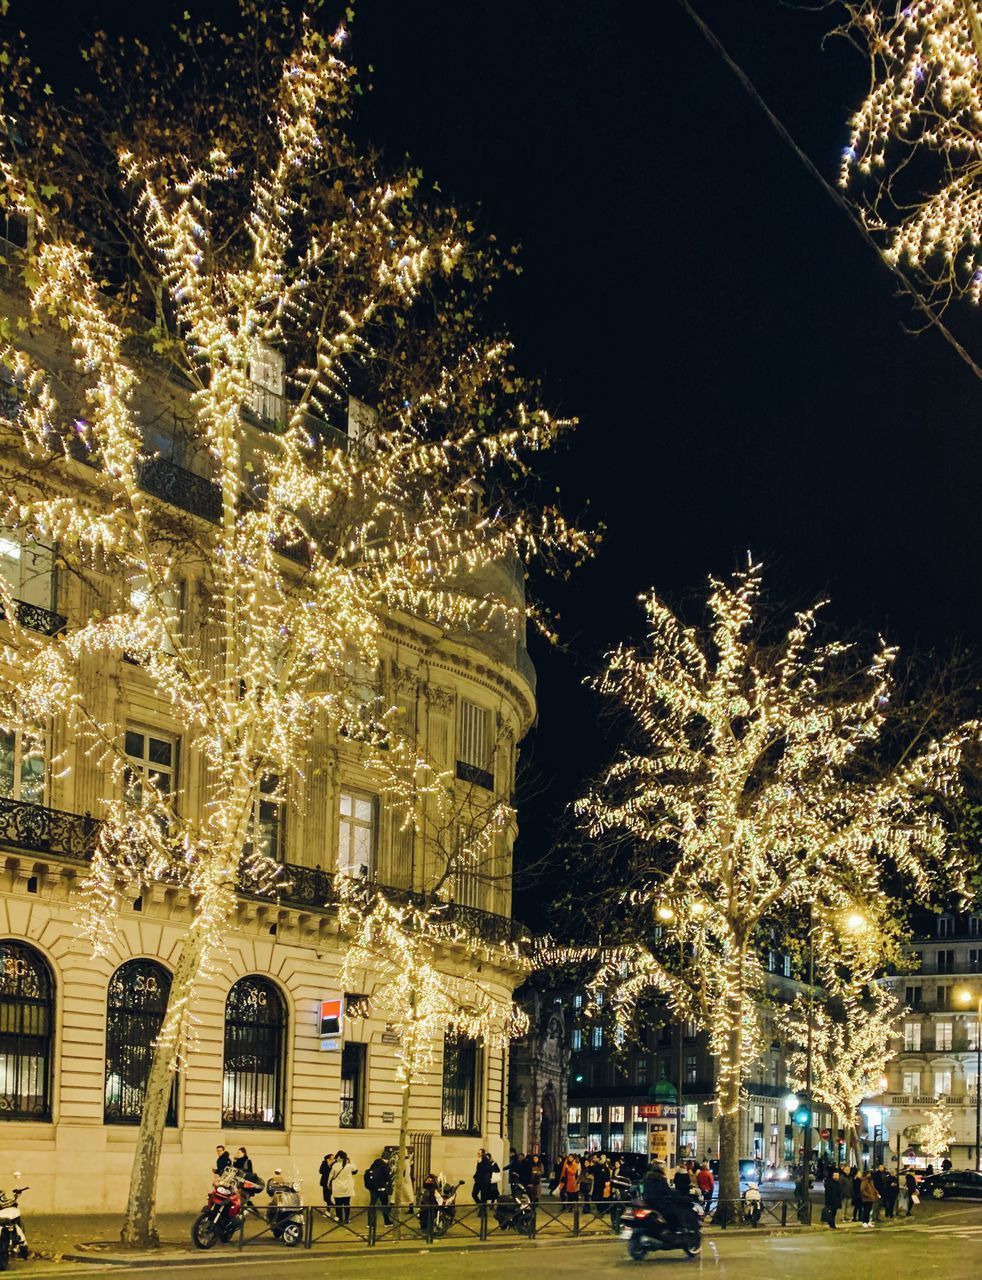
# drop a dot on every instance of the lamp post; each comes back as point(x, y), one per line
point(965, 997)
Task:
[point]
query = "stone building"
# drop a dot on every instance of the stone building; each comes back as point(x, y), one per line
point(936, 1052)
point(539, 1077)
point(76, 1032)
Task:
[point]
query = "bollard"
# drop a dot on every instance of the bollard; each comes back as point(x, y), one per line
point(576, 1218)
point(372, 1223)
point(784, 1213)
point(533, 1227)
point(482, 1214)
point(308, 1226)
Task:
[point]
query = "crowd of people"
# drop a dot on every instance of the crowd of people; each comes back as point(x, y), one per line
point(863, 1195)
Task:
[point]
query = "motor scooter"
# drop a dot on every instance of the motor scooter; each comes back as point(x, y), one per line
point(285, 1212)
point(13, 1241)
point(646, 1229)
point(513, 1212)
point(445, 1195)
point(228, 1202)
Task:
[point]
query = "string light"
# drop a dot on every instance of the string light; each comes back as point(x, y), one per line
point(742, 795)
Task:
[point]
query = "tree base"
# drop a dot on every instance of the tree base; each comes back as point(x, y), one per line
point(135, 1237)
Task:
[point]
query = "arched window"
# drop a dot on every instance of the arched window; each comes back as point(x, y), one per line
point(26, 1009)
point(252, 1085)
point(135, 1008)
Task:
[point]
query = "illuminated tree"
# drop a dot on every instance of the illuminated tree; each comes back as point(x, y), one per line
point(937, 1135)
point(201, 216)
point(914, 158)
point(757, 782)
point(852, 1020)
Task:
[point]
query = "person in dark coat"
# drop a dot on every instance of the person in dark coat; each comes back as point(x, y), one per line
point(833, 1197)
point(857, 1199)
point(378, 1184)
point(325, 1177)
point(222, 1161)
point(910, 1182)
point(242, 1161)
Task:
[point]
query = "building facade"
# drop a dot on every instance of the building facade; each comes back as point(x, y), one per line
point(539, 1078)
point(617, 1090)
point(76, 1031)
point(936, 1053)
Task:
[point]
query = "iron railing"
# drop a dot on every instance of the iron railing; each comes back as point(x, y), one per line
point(181, 488)
point(38, 829)
point(46, 621)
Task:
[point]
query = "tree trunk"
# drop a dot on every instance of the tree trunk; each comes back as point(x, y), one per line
point(140, 1228)
point(852, 1144)
point(730, 1072)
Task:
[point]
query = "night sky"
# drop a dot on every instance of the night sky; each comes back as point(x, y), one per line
point(738, 357)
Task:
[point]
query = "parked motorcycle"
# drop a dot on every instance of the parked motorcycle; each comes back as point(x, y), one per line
point(228, 1202)
point(285, 1212)
point(445, 1196)
point(12, 1237)
point(646, 1229)
point(513, 1212)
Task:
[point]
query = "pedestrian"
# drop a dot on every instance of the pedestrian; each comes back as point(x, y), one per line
point(752, 1204)
point(879, 1176)
point(868, 1196)
point(342, 1184)
point(586, 1180)
point(857, 1199)
point(222, 1161)
point(534, 1187)
point(706, 1183)
point(569, 1178)
point(242, 1161)
point(681, 1182)
point(890, 1192)
point(325, 1178)
point(525, 1166)
point(427, 1203)
point(833, 1196)
point(910, 1182)
point(846, 1190)
point(378, 1184)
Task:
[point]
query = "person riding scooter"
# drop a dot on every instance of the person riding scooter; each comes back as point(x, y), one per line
point(659, 1195)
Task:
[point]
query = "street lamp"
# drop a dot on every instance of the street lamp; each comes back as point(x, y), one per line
point(965, 997)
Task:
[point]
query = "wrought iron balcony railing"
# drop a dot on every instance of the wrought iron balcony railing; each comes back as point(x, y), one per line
point(46, 621)
point(181, 488)
point(37, 828)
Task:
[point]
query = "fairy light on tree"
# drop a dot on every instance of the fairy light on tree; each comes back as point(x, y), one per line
point(914, 159)
point(199, 213)
point(938, 1133)
point(757, 774)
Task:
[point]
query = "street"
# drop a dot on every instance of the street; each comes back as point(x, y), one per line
point(943, 1242)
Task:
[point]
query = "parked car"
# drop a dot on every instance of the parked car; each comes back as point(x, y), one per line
point(955, 1183)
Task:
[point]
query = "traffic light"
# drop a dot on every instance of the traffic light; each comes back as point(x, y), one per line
point(802, 1117)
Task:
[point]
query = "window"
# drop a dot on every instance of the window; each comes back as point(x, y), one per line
point(354, 1058)
point(135, 1006)
point(360, 695)
point(943, 1000)
point(597, 1038)
point(946, 926)
point(912, 997)
point(972, 1032)
point(689, 1030)
point(474, 763)
point(362, 422)
point(357, 833)
point(463, 1072)
point(619, 1037)
point(912, 1082)
point(641, 1071)
point(171, 603)
point(975, 959)
point(28, 570)
point(151, 762)
point(616, 1115)
point(691, 1068)
point(596, 1115)
point(266, 377)
point(942, 1035)
point(786, 965)
point(26, 1009)
point(574, 1115)
point(21, 772)
point(946, 961)
point(912, 1036)
point(942, 1082)
point(578, 1001)
point(576, 1040)
point(772, 962)
point(255, 1026)
point(975, 926)
point(465, 886)
point(269, 821)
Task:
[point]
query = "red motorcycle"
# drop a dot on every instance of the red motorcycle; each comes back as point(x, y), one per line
point(229, 1200)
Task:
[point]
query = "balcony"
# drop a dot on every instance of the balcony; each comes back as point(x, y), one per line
point(38, 829)
point(271, 411)
point(929, 1099)
point(181, 488)
point(38, 619)
point(35, 828)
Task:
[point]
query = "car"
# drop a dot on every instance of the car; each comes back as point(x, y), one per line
point(956, 1183)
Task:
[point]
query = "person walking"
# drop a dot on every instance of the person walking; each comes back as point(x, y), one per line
point(910, 1183)
point(569, 1178)
point(833, 1196)
point(868, 1196)
point(706, 1183)
point(325, 1178)
point(342, 1184)
point(534, 1187)
point(378, 1183)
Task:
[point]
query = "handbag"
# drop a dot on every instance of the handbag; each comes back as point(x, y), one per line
point(915, 1198)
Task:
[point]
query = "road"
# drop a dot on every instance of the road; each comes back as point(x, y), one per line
point(944, 1243)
